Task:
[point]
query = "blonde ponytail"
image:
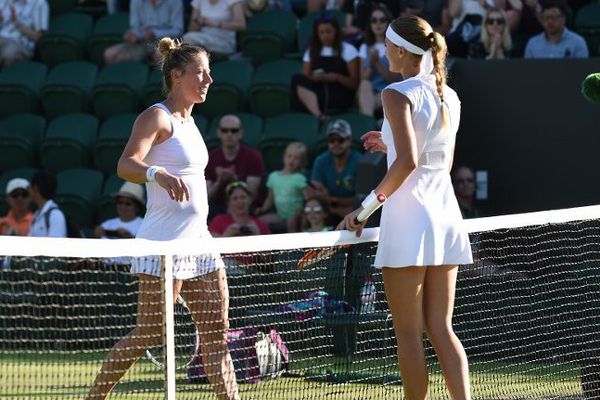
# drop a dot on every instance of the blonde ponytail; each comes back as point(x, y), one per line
point(439, 51)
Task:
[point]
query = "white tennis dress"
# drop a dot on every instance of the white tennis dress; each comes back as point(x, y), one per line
point(184, 154)
point(421, 223)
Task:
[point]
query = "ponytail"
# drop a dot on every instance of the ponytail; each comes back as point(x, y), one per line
point(439, 51)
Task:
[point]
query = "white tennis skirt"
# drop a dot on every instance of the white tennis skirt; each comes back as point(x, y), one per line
point(184, 267)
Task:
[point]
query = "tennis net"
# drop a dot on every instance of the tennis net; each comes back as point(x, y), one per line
point(527, 311)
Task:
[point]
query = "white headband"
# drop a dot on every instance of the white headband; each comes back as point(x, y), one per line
point(401, 42)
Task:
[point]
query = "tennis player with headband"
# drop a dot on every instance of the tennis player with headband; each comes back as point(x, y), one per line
point(166, 151)
point(421, 239)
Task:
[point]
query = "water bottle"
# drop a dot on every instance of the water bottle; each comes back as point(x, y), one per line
point(368, 295)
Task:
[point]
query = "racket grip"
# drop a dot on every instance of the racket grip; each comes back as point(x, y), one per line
point(370, 204)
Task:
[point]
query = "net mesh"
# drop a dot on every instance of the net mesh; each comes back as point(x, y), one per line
point(527, 312)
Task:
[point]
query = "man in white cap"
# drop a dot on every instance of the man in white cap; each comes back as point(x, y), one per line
point(130, 203)
point(18, 220)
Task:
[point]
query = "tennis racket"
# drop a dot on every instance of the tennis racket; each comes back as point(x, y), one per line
point(187, 339)
point(313, 256)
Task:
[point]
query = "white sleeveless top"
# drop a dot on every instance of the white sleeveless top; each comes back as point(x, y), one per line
point(421, 224)
point(184, 155)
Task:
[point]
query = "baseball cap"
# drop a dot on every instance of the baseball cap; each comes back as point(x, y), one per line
point(341, 128)
point(133, 191)
point(16, 183)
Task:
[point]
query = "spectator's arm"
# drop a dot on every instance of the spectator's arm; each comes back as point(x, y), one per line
point(455, 8)
point(175, 27)
point(581, 50)
point(41, 18)
point(57, 225)
point(254, 185)
point(446, 22)
point(528, 51)
point(239, 19)
point(194, 24)
point(267, 205)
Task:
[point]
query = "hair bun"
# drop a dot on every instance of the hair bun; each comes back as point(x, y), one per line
point(166, 46)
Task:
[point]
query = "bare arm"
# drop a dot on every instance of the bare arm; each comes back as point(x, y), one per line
point(397, 110)
point(239, 20)
point(454, 8)
point(254, 185)
point(151, 127)
point(267, 205)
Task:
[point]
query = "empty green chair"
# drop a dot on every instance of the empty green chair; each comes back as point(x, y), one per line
point(106, 204)
point(201, 122)
point(20, 85)
point(69, 141)
point(227, 94)
point(268, 36)
point(283, 129)
point(305, 26)
point(66, 38)
point(68, 88)
point(153, 90)
point(58, 7)
point(26, 172)
point(269, 93)
point(118, 88)
point(587, 24)
point(108, 30)
point(20, 139)
point(77, 194)
point(112, 138)
point(253, 128)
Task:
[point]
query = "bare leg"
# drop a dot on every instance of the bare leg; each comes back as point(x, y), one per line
point(147, 333)
point(365, 98)
point(208, 299)
point(404, 292)
point(310, 101)
point(438, 306)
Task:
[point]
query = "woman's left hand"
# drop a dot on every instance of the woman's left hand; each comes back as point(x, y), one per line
point(349, 223)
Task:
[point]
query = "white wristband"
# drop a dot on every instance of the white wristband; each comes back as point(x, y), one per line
point(370, 204)
point(151, 172)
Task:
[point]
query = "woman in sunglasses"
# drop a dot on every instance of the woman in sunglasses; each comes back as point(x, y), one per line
point(375, 72)
point(495, 42)
point(422, 240)
point(166, 151)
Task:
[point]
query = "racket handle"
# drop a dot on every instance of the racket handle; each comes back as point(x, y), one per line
point(370, 204)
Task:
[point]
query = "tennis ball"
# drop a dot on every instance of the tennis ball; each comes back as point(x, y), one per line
point(590, 88)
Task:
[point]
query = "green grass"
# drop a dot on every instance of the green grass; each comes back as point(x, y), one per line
point(67, 376)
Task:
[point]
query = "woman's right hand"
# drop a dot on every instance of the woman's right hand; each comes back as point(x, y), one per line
point(372, 142)
point(174, 186)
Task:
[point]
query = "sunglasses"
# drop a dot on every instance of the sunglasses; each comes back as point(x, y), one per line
point(338, 140)
point(497, 21)
point(465, 180)
point(381, 20)
point(313, 209)
point(229, 130)
point(21, 193)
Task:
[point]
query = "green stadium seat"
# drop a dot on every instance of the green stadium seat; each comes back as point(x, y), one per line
point(20, 139)
point(108, 30)
point(68, 143)
point(66, 38)
point(283, 129)
point(58, 7)
point(26, 173)
point(201, 122)
point(68, 88)
point(106, 204)
point(78, 192)
point(118, 88)
point(20, 85)
point(153, 90)
point(227, 94)
point(268, 36)
point(587, 24)
point(305, 26)
point(112, 138)
point(269, 93)
point(253, 128)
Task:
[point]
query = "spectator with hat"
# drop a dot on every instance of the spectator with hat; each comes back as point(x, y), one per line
point(130, 202)
point(333, 178)
point(19, 217)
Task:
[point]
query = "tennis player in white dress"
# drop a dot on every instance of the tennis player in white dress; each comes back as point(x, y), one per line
point(422, 240)
point(167, 152)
